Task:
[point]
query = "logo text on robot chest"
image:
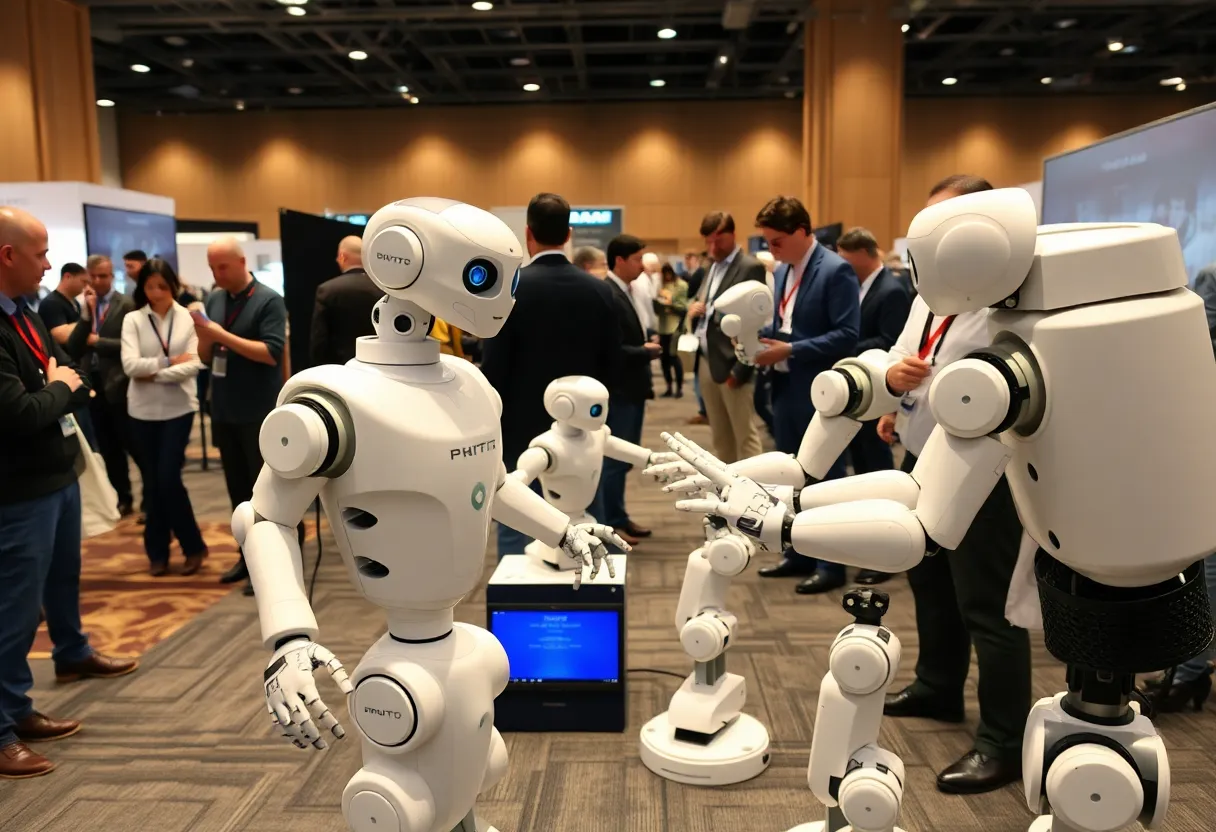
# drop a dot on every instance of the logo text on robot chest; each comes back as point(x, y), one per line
point(473, 450)
point(392, 258)
point(378, 712)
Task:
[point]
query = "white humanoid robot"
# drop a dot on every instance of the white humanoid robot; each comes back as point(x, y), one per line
point(569, 457)
point(1095, 401)
point(746, 308)
point(403, 447)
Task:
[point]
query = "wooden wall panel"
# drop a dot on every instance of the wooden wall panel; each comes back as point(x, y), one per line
point(665, 163)
point(19, 143)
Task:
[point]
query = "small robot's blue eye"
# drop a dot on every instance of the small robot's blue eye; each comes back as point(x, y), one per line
point(515, 283)
point(596, 410)
point(478, 275)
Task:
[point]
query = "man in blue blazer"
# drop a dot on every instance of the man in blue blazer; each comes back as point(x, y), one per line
point(816, 322)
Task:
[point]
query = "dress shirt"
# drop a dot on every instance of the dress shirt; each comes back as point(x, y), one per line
point(712, 281)
point(792, 280)
point(868, 282)
point(624, 286)
point(968, 333)
point(641, 292)
point(173, 390)
point(549, 252)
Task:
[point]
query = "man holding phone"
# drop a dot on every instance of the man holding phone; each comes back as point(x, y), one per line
point(241, 335)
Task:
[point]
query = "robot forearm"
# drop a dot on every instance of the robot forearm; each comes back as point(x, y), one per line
point(622, 451)
point(773, 468)
point(517, 506)
point(531, 464)
point(852, 392)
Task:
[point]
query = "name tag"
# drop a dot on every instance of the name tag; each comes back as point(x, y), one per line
point(219, 362)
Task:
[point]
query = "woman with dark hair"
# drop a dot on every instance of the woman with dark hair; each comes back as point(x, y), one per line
point(669, 307)
point(160, 355)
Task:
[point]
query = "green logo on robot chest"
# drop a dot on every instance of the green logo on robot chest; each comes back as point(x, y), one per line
point(479, 496)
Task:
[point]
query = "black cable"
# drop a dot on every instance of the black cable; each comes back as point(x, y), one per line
point(316, 567)
point(658, 671)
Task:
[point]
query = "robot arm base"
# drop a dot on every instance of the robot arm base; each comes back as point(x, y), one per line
point(871, 792)
point(704, 710)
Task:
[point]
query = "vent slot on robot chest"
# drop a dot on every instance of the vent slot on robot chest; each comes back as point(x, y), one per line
point(369, 568)
point(357, 518)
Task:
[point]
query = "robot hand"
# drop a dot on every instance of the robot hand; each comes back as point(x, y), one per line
point(295, 705)
point(674, 470)
point(585, 542)
point(743, 503)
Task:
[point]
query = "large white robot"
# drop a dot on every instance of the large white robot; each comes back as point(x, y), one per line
point(403, 447)
point(569, 457)
point(746, 308)
point(1095, 401)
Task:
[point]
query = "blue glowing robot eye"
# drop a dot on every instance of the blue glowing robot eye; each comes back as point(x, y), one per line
point(596, 410)
point(515, 283)
point(478, 275)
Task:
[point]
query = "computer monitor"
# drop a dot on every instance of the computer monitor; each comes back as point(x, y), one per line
point(827, 235)
point(1163, 172)
point(555, 646)
point(115, 231)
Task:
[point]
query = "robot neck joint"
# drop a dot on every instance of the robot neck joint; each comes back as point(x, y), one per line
point(419, 626)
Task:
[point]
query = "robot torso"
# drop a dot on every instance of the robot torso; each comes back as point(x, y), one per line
point(576, 461)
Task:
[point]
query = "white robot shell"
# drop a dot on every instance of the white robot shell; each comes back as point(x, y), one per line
point(973, 251)
point(453, 260)
point(578, 401)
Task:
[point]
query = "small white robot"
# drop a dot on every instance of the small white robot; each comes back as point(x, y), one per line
point(403, 447)
point(1095, 401)
point(704, 738)
point(746, 308)
point(569, 457)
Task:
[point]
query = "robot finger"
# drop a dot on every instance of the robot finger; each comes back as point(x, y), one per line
point(611, 566)
point(323, 720)
point(326, 721)
point(700, 506)
point(578, 578)
point(608, 535)
point(708, 466)
point(706, 457)
point(338, 673)
point(689, 485)
point(282, 722)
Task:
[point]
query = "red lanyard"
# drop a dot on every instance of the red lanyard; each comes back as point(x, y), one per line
point(787, 295)
point(927, 341)
point(242, 299)
point(31, 338)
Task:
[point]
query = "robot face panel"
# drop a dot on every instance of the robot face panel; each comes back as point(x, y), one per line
point(578, 401)
point(973, 251)
point(457, 262)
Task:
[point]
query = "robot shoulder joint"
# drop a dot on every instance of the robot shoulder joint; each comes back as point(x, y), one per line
point(310, 435)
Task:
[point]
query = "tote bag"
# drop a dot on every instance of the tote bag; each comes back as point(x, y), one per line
point(98, 499)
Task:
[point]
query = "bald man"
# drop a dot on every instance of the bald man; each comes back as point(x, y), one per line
point(39, 504)
point(343, 310)
point(242, 335)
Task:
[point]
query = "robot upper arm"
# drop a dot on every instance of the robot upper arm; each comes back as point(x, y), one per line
point(310, 435)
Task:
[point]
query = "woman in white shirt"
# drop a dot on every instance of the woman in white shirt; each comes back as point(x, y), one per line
point(160, 355)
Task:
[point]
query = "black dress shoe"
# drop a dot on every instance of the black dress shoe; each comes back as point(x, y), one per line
point(248, 590)
point(238, 572)
point(910, 703)
point(636, 531)
point(787, 569)
point(868, 577)
point(978, 773)
point(820, 582)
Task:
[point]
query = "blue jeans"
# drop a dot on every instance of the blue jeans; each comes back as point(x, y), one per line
point(511, 542)
point(1198, 666)
point(162, 452)
point(625, 421)
point(39, 570)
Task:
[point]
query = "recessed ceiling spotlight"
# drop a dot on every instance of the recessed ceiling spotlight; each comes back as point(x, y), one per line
point(1171, 82)
point(950, 82)
point(1045, 80)
point(1181, 87)
point(296, 11)
point(905, 28)
point(140, 68)
point(658, 82)
point(413, 99)
point(175, 40)
point(520, 62)
point(482, 6)
point(295, 90)
point(1066, 23)
point(292, 2)
point(667, 34)
point(1114, 45)
point(187, 62)
point(240, 105)
point(104, 102)
point(357, 55)
point(531, 87)
point(403, 89)
point(722, 59)
point(1008, 52)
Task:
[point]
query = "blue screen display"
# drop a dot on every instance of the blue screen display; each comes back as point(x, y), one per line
point(560, 645)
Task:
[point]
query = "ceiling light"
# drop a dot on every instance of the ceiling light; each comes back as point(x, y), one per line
point(1115, 45)
point(140, 68)
point(413, 99)
point(667, 34)
point(1181, 87)
point(905, 28)
point(175, 40)
point(188, 62)
point(295, 90)
point(1130, 49)
point(1171, 82)
point(520, 62)
point(296, 11)
point(1045, 80)
point(240, 105)
point(1066, 23)
point(658, 82)
point(403, 89)
point(790, 93)
point(357, 55)
point(292, 2)
point(722, 59)
point(104, 102)
point(950, 82)
point(482, 6)
point(531, 87)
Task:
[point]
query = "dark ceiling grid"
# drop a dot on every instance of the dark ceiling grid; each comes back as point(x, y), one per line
point(225, 54)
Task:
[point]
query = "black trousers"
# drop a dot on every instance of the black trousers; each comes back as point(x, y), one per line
point(673, 368)
point(868, 452)
point(241, 459)
point(112, 428)
point(960, 602)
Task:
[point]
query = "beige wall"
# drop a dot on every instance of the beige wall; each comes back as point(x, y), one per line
point(666, 163)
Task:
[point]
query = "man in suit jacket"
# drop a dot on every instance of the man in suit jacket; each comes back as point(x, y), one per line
point(628, 394)
point(726, 384)
point(343, 310)
point(102, 315)
point(1205, 287)
point(563, 324)
point(815, 324)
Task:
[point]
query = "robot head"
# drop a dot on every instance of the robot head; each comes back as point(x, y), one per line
point(972, 251)
point(578, 401)
point(457, 262)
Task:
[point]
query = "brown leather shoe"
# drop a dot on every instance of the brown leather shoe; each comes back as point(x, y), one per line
point(193, 563)
point(18, 761)
point(636, 531)
point(624, 535)
point(95, 666)
point(698, 419)
point(41, 728)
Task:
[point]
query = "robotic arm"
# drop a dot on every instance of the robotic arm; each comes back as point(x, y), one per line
point(745, 308)
point(622, 451)
point(531, 464)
